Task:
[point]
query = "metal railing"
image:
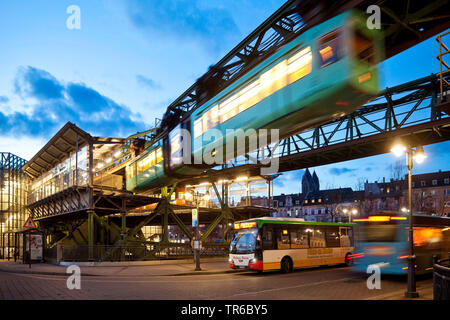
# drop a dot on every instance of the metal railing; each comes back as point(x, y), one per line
point(144, 252)
point(441, 278)
point(444, 66)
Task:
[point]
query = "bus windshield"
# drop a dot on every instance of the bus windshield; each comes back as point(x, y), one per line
point(379, 232)
point(244, 241)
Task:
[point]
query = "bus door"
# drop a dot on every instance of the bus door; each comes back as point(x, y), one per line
point(346, 236)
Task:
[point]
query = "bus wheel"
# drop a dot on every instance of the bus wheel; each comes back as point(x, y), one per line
point(348, 262)
point(286, 265)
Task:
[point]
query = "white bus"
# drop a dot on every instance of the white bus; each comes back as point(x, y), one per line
point(286, 243)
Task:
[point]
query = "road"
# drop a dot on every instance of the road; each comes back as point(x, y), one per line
point(316, 283)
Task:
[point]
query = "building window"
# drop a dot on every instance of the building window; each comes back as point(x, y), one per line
point(434, 182)
point(446, 180)
point(320, 200)
point(312, 201)
point(433, 192)
point(306, 201)
point(413, 184)
point(422, 183)
point(388, 190)
point(281, 204)
point(447, 192)
point(297, 202)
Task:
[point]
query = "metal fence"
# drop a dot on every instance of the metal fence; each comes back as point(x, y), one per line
point(148, 251)
point(441, 278)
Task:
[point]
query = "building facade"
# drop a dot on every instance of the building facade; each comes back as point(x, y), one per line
point(313, 204)
point(431, 193)
point(13, 200)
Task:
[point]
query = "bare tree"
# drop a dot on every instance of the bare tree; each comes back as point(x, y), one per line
point(359, 185)
point(398, 170)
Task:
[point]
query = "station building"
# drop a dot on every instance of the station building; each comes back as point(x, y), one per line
point(13, 199)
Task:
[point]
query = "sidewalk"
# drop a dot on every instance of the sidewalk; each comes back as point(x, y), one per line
point(164, 268)
point(425, 293)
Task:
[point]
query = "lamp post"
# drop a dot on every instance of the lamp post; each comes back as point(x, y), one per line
point(418, 155)
point(196, 236)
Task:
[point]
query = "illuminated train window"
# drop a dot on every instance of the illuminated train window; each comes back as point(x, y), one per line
point(330, 48)
point(279, 76)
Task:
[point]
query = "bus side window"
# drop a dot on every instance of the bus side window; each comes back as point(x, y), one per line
point(318, 238)
point(267, 238)
point(332, 236)
point(283, 238)
point(299, 238)
point(350, 236)
point(346, 241)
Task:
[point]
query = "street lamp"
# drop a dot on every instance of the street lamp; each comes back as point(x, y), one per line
point(196, 235)
point(419, 155)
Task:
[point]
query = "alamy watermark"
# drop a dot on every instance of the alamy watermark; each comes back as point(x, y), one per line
point(73, 22)
point(213, 148)
point(74, 280)
point(374, 281)
point(374, 20)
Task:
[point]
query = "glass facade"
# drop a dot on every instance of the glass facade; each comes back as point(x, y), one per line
point(73, 171)
point(13, 197)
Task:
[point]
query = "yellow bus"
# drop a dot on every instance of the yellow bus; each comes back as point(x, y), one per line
point(267, 243)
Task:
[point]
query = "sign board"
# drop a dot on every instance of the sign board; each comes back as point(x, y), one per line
point(194, 218)
point(29, 224)
point(36, 244)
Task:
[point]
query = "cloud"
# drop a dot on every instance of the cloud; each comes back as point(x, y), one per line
point(288, 182)
point(147, 82)
point(184, 19)
point(339, 171)
point(4, 99)
point(37, 83)
point(57, 103)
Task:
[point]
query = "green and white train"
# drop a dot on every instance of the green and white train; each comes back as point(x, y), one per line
point(326, 72)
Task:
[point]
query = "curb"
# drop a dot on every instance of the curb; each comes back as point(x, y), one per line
point(49, 273)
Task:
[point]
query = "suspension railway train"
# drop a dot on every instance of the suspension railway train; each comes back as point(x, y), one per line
point(324, 73)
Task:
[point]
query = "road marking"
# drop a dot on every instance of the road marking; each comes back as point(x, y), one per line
point(287, 288)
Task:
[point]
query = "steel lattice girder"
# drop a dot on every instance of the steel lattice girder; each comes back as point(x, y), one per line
point(405, 24)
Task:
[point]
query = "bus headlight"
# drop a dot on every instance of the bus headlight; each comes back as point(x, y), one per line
point(253, 260)
point(230, 259)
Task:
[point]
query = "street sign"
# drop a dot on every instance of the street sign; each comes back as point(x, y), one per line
point(194, 218)
point(29, 224)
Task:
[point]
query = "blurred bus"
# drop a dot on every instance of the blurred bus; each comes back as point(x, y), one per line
point(286, 243)
point(383, 240)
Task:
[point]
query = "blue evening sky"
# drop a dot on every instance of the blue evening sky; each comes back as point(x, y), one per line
point(131, 58)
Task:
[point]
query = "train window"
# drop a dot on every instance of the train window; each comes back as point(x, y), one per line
point(198, 128)
point(283, 73)
point(159, 157)
point(363, 48)
point(210, 118)
point(130, 171)
point(299, 65)
point(229, 108)
point(176, 151)
point(330, 48)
